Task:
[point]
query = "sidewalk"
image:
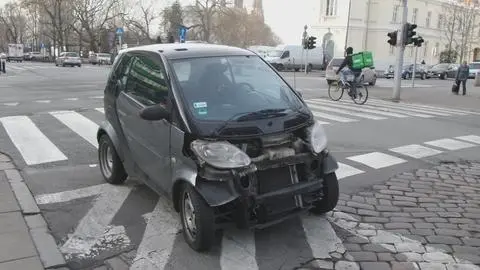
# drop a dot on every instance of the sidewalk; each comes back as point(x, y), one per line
point(25, 242)
point(441, 96)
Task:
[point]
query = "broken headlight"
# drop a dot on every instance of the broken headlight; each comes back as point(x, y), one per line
point(221, 155)
point(317, 137)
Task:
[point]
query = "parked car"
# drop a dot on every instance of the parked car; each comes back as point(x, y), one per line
point(218, 130)
point(101, 59)
point(389, 72)
point(473, 69)
point(439, 70)
point(420, 72)
point(68, 59)
point(368, 74)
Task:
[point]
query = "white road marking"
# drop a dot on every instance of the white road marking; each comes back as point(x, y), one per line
point(345, 171)
point(321, 237)
point(238, 250)
point(377, 160)
point(42, 101)
point(442, 109)
point(450, 144)
point(95, 224)
point(97, 97)
point(32, 144)
point(102, 110)
point(11, 104)
point(333, 117)
point(78, 123)
point(415, 151)
point(357, 114)
point(394, 110)
point(399, 106)
point(470, 138)
point(356, 108)
point(72, 99)
point(158, 239)
point(69, 195)
point(446, 110)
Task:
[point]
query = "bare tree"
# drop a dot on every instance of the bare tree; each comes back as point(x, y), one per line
point(14, 21)
point(203, 13)
point(172, 17)
point(460, 27)
point(141, 17)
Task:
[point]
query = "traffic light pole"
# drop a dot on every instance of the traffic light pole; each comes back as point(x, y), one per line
point(400, 52)
point(414, 66)
point(306, 61)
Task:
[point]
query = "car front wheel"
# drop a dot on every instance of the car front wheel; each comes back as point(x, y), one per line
point(110, 164)
point(197, 220)
point(330, 195)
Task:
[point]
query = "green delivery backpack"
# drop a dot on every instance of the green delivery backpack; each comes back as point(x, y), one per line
point(362, 60)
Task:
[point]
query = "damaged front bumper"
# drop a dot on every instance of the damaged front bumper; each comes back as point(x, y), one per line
point(266, 192)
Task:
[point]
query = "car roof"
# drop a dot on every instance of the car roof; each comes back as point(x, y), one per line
point(191, 50)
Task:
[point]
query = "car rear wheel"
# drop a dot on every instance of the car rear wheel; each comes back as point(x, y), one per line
point(374, 81)
point(110, 164)
point(197, 220)
point(330, 195)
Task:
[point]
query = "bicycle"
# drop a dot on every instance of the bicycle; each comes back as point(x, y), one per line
point(340, 85)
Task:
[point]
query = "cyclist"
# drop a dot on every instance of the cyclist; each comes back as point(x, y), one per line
point(347, 62)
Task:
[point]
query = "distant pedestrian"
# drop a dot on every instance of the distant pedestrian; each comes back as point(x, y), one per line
point(462, 76)
point(423, 62)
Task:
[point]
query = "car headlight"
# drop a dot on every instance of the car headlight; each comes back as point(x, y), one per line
point(221, 155)
point(318, 138)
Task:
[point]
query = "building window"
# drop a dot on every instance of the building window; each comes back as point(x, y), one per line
point(429, 17)
point(395, 13)
point(411, 51)
point(441, 18)
point(414, 15)
point(331, 8)
point(435, 50)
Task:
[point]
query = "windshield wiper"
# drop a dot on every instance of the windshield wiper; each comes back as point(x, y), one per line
point(261, 114)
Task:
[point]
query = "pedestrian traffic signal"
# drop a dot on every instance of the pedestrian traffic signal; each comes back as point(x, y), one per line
point(417, 41)
point(408, 33)
point(393, 38)
point(311, 43)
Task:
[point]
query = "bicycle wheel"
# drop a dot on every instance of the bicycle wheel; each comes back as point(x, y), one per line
point(362, 95)
point(335, 91)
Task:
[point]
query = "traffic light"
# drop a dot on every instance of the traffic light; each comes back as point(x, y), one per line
point(417, 41)
point(408, 33)
point(393, 38)
point(311, 43)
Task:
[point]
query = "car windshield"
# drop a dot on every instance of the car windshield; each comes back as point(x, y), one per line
point(275, 53)
point(442, 66)
point(226, 88)
point(474, 66)
point(103, 55)
point(336, 62)
point(72, 54)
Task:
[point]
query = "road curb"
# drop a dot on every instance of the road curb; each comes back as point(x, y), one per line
point(45, 244)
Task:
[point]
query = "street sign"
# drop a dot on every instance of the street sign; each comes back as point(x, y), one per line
point(119, 31)
point(182, 33)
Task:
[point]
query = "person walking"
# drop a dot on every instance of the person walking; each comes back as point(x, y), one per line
point(462, 77)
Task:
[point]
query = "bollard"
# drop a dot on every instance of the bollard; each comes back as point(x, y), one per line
point(476, 82)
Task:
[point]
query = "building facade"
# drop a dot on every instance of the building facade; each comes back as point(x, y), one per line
point(371, 20)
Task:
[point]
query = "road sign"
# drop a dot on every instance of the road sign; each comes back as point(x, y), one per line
point(182, 33)
point(119, 31)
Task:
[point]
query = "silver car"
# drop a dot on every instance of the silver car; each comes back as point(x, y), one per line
point(220, 132)
point(368, 74)
point(68, 59)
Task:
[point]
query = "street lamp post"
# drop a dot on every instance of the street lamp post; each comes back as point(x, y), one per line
point(348, 23)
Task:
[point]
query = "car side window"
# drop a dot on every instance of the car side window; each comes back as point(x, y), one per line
point(146, 81)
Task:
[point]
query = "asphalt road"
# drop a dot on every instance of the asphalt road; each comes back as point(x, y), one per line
point(49, 118)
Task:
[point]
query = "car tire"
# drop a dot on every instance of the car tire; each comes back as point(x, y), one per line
point(330, 195)
point(113, 173)
point(79, 65)
point(372, 83)
point(329, 82)
point(423, 77)
point(442, 76)
point(309, 67)
point(202, 219)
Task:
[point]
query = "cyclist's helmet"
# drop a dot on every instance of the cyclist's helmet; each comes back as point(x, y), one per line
point(349, 50)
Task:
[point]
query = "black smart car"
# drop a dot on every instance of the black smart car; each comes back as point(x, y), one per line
point(219, 131)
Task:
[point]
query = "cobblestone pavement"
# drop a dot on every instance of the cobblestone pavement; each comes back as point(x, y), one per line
point(427, 219)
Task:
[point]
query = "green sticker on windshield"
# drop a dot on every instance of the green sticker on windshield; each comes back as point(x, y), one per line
point(200, 108)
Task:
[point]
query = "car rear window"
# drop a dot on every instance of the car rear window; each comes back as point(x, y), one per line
point(336, 62)
point(72, 54)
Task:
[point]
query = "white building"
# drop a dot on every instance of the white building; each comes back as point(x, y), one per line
point(371, 20)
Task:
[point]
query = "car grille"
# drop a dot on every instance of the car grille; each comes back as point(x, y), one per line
point(271, 180)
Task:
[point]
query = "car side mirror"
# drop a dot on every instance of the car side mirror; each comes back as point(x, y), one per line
point(154, 113)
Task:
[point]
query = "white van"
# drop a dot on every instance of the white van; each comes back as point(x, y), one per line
point(286, 57)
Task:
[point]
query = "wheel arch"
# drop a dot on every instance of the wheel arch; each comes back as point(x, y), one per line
point(107, 128)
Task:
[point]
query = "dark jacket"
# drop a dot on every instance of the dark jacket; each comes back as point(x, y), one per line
point(462, 73)
point(348, 62)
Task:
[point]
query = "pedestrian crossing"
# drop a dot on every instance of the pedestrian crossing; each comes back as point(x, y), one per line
point(21, 67)
point(28, 133)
